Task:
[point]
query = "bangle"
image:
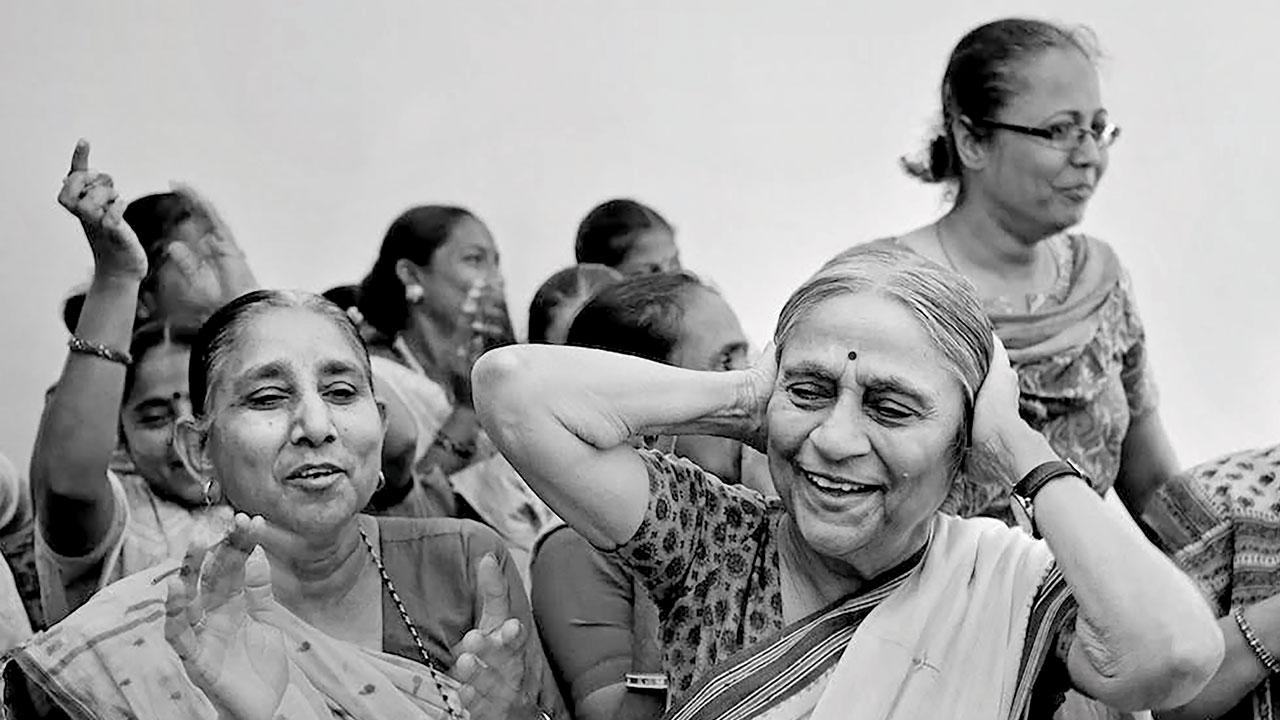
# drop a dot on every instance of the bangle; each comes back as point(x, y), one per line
point(456, 449)
point(1263, 654)
point(84, 347)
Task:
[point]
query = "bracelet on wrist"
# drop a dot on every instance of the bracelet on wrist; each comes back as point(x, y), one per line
point(1255, 643)
point(83, 347)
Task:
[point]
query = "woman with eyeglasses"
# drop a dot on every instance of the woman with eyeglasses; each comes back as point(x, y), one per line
point(1024, 142)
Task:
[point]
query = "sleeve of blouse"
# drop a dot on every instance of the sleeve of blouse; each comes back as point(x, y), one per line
point(690, 514)
point(583, 604)
point(1139, 385)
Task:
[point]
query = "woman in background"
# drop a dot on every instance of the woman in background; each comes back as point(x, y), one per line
point(434, 302)
point(111, 495)
point(561, 296)
point(627, 236)
point(1024, 144)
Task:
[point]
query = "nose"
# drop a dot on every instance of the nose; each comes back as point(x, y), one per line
point(1087, 152)
point(312, 422)
point(842, 434)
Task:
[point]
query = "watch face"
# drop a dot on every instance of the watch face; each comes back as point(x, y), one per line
point(1023, 513)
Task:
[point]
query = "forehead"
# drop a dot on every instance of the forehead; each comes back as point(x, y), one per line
point(1054, 81)
point(161, 372)
point(708, 320)
point(468, 233)
point(888, 340)
point(297, 338)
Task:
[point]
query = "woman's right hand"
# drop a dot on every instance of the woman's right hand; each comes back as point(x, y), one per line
point(485, 325)
point(91, 196)
point(240, 664)
point(1002, 440)
point(757, 389)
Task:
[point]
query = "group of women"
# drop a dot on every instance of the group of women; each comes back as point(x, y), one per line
point(943, 490)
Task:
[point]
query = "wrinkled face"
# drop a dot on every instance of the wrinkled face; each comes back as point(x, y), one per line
point(468, 257)
point(860, 450)
point(710, 339)
point(147, 417)
point(652, 251)
point(1032, 184)
point(295, 433)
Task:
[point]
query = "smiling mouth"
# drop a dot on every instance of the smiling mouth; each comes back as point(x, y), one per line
point(315, 477)
point(839, 486)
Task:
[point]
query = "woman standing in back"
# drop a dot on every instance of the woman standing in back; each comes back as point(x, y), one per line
point(1024, 143)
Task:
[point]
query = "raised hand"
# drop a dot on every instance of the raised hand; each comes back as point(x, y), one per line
point(91, 196)
point(485, 325)
point(757, 389)
point(212, 270)
point(491, 657)
point(241, 665)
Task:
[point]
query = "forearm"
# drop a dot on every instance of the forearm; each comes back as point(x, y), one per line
point(1147, 461)
point(1241, 671)
point(78, 430)
point(1145, 638)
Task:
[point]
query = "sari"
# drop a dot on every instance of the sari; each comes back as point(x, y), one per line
point(964, 634)
point(111, 659)
point(1220, 522)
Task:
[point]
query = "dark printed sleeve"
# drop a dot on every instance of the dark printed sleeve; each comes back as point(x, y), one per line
point(1050, 631)
point(691, 517)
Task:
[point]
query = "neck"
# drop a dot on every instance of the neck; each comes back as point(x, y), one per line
point(835, 578)
point(430, 343)
point(976, 238)
point(309, 573)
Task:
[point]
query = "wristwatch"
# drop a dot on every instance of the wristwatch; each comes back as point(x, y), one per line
point(1023, 493)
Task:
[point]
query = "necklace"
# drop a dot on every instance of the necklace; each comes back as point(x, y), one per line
point(433, 667)
point(937, 233)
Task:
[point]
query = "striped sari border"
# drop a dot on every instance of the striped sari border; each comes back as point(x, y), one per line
point(757, 677)
point(1053, 607)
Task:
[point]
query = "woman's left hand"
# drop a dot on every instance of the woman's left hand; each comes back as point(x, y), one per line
point(491, 657)
point(241, 665)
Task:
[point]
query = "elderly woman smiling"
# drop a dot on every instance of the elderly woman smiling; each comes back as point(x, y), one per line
point(854, 596)
point(379, 618)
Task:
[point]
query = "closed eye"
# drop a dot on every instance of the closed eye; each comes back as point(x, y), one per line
point(341, 392)
point(267, 398)
point(809, 394)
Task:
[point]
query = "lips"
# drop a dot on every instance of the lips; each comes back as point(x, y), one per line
point(314, 476)
point(838, 486)
point(1078, 192)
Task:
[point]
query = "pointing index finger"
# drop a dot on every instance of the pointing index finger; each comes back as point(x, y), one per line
point(80, 156)
point(491, 583)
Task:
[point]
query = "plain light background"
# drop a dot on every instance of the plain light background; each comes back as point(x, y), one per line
point(768, 133)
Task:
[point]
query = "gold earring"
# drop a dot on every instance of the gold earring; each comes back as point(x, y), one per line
point(207, 493)
point(382, 481)
point(413, 293)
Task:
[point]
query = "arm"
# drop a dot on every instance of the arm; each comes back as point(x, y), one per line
point(563, 415)
point(585, 607)
point(78, 430)
point(1147, 461)
point(1241, 670)
point(1144, 637)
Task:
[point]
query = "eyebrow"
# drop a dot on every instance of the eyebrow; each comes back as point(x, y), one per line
point(899, 385)
point(267, 371)
point(808, 368)
point(339, 367)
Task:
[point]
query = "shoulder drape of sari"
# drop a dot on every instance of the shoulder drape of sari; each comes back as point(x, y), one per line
point(946, 638)
point(110, 659)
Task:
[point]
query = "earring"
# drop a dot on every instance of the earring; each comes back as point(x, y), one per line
point(382, 481)
point(413, 293)
point(207, 493)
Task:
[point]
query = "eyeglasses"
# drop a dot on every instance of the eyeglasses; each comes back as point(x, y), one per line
point(1067, 136)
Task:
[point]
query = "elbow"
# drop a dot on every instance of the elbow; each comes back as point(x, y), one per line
point(500, 384)
point(1174, 676)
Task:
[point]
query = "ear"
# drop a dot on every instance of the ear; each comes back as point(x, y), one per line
point(409, 273)
point(190, 440)
point(972, 150)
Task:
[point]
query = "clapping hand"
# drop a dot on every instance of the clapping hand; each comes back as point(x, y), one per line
point(491, 657)
point(91, 196)
point(240, 664)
